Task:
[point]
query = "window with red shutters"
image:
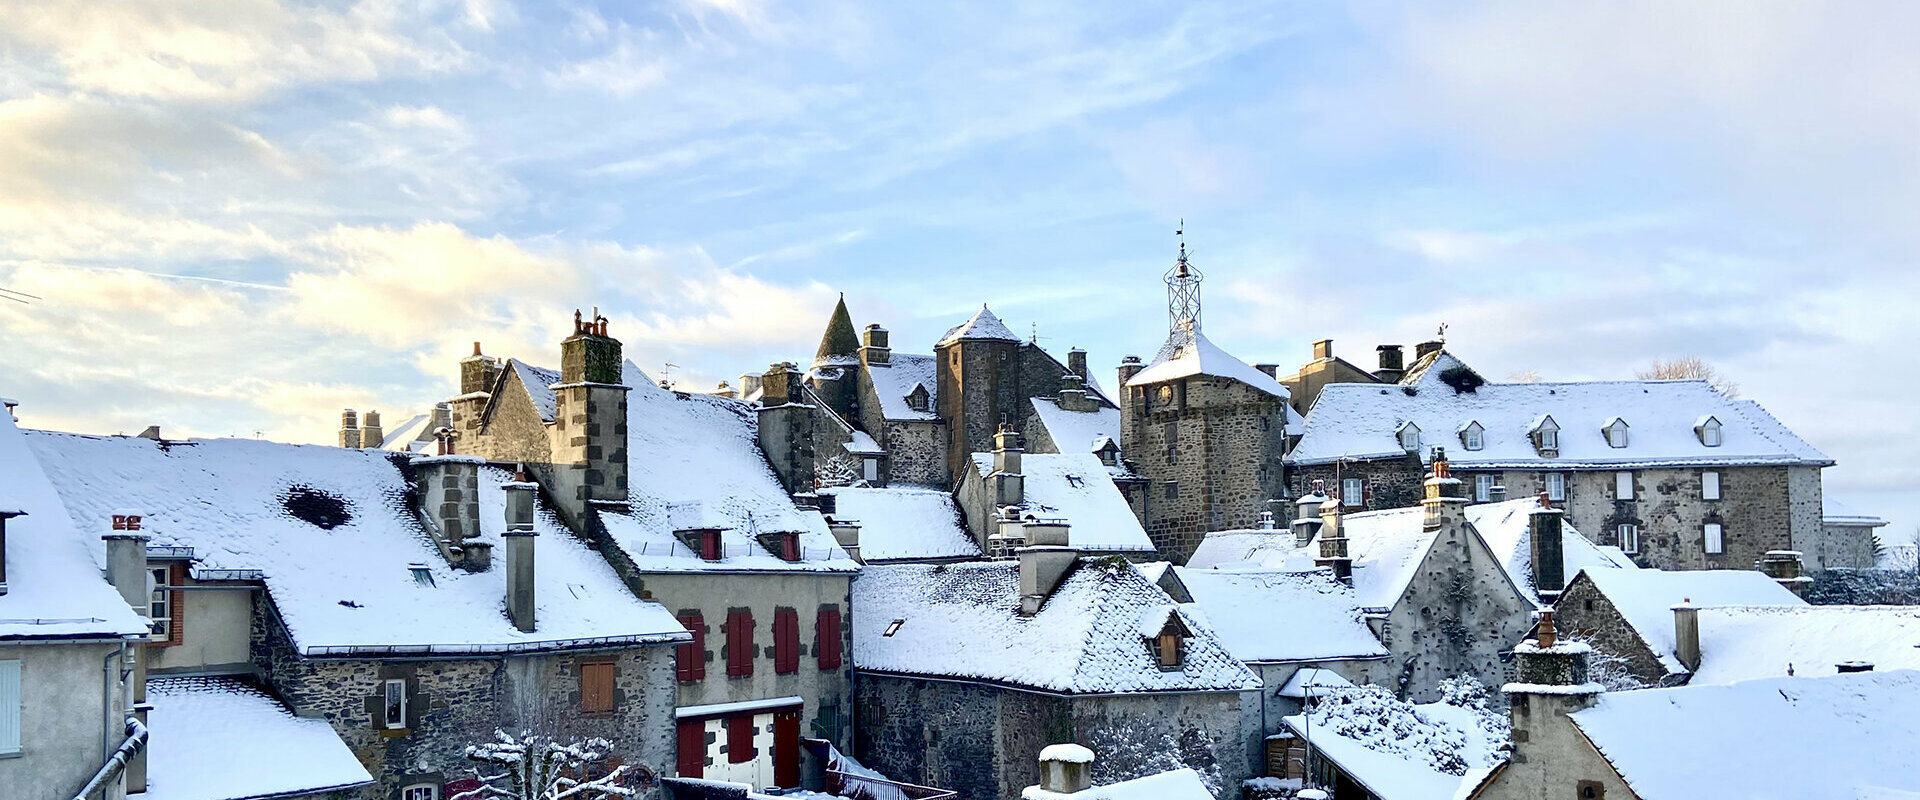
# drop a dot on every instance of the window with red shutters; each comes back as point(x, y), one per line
point(827, 638)
point(690, 659)
point(786, 641)
point(692, 748)
point(739, 643)
point(740, 739)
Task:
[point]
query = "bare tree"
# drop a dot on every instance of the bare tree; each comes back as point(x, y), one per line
point(535, 767)
point(1689, 368)
point(1528, 375)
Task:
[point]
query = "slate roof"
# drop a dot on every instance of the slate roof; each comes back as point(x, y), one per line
point(1188, 353)
point(1277, 615)
point(1078, 488)
point(1645, 599)
point(895, 380)
point(1077, 431)
point(983, 325)
point(1834, 512)
point(904, 523)
point(1504, 527)
point(1745, 642)
point(840, 344)
point(224, 739)
point(963, 621)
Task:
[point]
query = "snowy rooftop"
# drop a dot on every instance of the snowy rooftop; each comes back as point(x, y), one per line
point(983, 325)
point(894, 381)
point(1646, 597)
point(1835, 512)
point(54, 588)
point(1077, 431)
point(410, 436)
point(963, 621)
point(539, 383)
point(1740, 643)
point(1352, 420)
point(1272, 615)
point(701, 451)
point(1179, 784)
point(330, 533)
point(1188, 354)
point(1840, 735)
point(223, 739)
point(1504, 528)
point(903, 523)
point(1078, 488)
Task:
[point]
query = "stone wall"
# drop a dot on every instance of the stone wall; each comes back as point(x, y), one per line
point(1846, 547)
point(1210, 449)
point(589, 446)
point(976, 380)
point(1459, 616)
point(1584, 613)
point(1551, 758)
point(1386, 482)
point(916, 454)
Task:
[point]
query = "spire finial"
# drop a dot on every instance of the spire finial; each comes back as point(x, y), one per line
point(1183, 288)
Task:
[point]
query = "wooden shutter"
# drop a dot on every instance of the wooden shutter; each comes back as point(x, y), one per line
point(1623, 486)
point(739, 644)
point(690, 659)
point(9, 707)
point(826, 642)
point(1709, 485)
point(692, 748)
point(176, 604)
point(786, 749)
point(1715, 544)
point(596, 687)
point(740, 739)
point(786, 641)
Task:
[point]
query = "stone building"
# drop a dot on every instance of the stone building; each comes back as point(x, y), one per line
point(1628, 613)
point(1003, 491)
point(1672, 472)
point(1304, 385)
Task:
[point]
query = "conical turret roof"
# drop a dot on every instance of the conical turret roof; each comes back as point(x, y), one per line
point(840, 343)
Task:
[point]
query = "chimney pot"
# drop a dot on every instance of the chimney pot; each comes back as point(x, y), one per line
point(1686, 630)
point(1066, 768)
point(1322, 349)
point(127, 559)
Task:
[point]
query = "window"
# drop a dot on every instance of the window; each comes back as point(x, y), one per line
point(1546, 436)
point(1171, 432)
point(1410, 437)
point(1590, 790)
point(786, 641)
point(1616, 432)
point(9, 707)
point(1173, 490)
point(161, 604)
point(917, 399)
point(1169, 650)
point(740, 739)
point(1473, 437)
point(1715, 542)
point(1353, 492)
point(596, 687)
point(1483, 487)
point(1709, 431)
point(420, 791)
point(393, 712)
point(739, 643)
point(826, 638)
point(1556, 486)
point(1623, 486)
point(1629, 534)
point(1550, 440)
point(894, 627)
point(870, 469)
point(690, 659)
point(1709, 485)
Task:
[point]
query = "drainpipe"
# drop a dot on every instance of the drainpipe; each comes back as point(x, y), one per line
point(130, 748)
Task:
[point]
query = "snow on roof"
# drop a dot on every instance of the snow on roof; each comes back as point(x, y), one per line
point(1426, 370)
point(1245, 549)
point(963, 621)
point(1844, 733)
point(331, 534)
point(1740, 643)
point(224, 739)
point(1078, 488)
point(1179, 784)
point(1068, 752)
point(1190, 353)
point(539, 383)
point(1320, 681)
point(700, 449)
point(408, 436)
point(1384, 775)
point(54, 588)
point(1077, 431)
point(1504, 527)
point(1352, 420)
point(1272, 615)
point(1834, 512)
point(1646, 597)
point(983, 325)
point(901, 523)
point(894, 381)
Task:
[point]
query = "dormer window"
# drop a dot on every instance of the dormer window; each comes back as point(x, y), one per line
point(918, 399)
point(1169, 643)
point(1108, 451)
point(784, 545)
point(1473, 437)
point(1409, 434)
point(422, 576)
point(1708, 430)
point(704, 542)
point(1546, 436)
point(1616, 432)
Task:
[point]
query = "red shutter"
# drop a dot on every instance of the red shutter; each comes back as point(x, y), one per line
point(786, 641)
point(176, 604)
point(690, 659)
point(786, 749)
point(693, 748)
point(739, 644)
point(740, 739)
point(827, 638)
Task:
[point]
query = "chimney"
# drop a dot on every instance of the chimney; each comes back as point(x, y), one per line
point(1129, 367)
point(1271, 370)
point(1333, 542)
point(1424, 349)
point(127, 559)
point(1445, 495)
point(1392, 364)
point(1784, 566)
point(450, 496)
point(152, 432)
point(372, 434)
point(1845, 667)
point(1008, 483)
point(1077, 363)
point(1545, 661)
point(519, 539)
point(349, 429)
point(1042, 566)
point(873, 346)
point(1322, 349)
point(1306, 522)
point(1549, 565)
point(786, 427)
point(749, 383)
point(1073, 393)
point(781, 384)
point(1686, 634)
point(1066, 769)
point(590, 423)
point(478, 372)
point(847, 533)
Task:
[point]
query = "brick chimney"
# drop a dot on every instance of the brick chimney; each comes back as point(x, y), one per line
point(349, 429)
point(1044, 562)
point(1392, 364)
point(519, 538)
point(1066, 769)
point(1544, 525)
point(590, 423)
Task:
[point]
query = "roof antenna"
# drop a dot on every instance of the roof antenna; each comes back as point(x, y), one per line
point(1443, 332)
point(666, 374)
point(9, 294)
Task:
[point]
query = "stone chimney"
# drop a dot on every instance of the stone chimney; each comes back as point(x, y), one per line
point(1784, 566)
point(519, 540)
point(1306, 522)
point(1129, 367)
point(349, 429)
point(590, 423)
point(1323, 349)
point(1550, 681)
point(1009, 485)
point(847, 533)
point(1271, 370)
point(1066, 769)
point(450, 496)
point(1446, 499)
point(873, 346)
point(1686, 634)
point(1077, 363)
point(749, 383)
point(1044, 562)
point(786, 426)
point(1392, 364)
point(1424, 349)
point(126, 540)
point(372, 433)
point(1333, 542)
point(1073, 393)
point(1544, 661)
point(1549, 565)
point(477, 375)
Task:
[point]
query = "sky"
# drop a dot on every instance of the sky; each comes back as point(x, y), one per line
point(241, 216)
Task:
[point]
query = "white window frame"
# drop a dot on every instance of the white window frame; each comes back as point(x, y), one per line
point(1550, 439)
point(1616, 432)
point(1627, 535)
point(1710, 485)
point(420, 791)
point(1353, 492)
point(1410, 438)
point(160, 603)
point(1714, 537)
point(870, 469)
point(392, 701)
point(1557, 486)
point(1483, 487)
point(1710, 433)
point(1473, 438)
point(1623, 485)
point(10, 735)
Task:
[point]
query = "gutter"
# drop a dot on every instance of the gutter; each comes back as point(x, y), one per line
point(1052, 692)
point(135, 742)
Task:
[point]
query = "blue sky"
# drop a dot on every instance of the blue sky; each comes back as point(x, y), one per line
point(245, 216)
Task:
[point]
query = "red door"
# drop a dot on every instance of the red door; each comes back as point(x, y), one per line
point(692, 748)
point(786, 749)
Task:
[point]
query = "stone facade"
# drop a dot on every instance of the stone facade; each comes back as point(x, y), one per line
point(1209, 450)
point(1459, 616)
point(1585, 613)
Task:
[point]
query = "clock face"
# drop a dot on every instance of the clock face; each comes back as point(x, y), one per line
point(1166, 394)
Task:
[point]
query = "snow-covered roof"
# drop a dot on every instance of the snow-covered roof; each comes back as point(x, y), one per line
point(330, 532)
point(1504, 527)
point(411, 436)
point(1179, 784)
point(1273, 615)
point(904, 523)
point(1426, 370)
point(1834, 512)
point(696, 450)
point(1386, 546)
point(1384, 775)
point(539, 383)
point(983, 325)
point(1312, 679)
point(1740, 643)
point(894, 381)
point(1840, 735)
point(1646, 597)
point(963, 621)
point(1188, 353)
point(54, 588)
point(1077, 431)
point(1078, 488)
point(1352, 420)
point(224, 739)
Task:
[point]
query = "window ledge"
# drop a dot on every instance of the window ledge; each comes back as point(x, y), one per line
point(13, 754)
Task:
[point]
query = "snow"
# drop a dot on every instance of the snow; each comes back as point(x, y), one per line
point(1273, 615)
point(411, 436)
point(1179, 784)
point(1358, 421)
point(1844, 733)
point(1077, 487)
point(1504, 527)
point(1835, 512)
point(983, 325)
point(895, 380)
point(1646, 597)
point(348, 586)
point(904, 523)
point(695, 448)
point(539, 383)
point(1077, 431)
point(1068, 752)
point(1189, 353)
point(1398, 750)
point(1385, 775)
point(963, 621)
point(1740, 643)
point(221, 738)
point(728, 709)
point(1320, 681)
point(54, 588)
